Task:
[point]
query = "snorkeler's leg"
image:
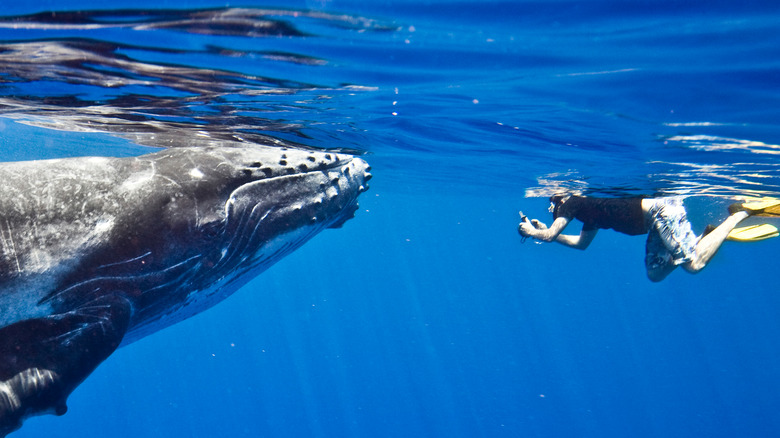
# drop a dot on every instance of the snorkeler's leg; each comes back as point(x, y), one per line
point(709, 244)
point(670, 239)
point(659, 261)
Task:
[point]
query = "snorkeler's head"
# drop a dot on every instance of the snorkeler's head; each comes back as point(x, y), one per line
point(555, 203)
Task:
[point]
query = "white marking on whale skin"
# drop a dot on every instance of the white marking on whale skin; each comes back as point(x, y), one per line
point(187, 274)
point(9, 396)
point(98, 161)
point(12, 248)
point(125, 261)
point(138, 180)
point(30, 381)
point(196, 173)
point(63, 246)
point(103, 225)
point(42, 253)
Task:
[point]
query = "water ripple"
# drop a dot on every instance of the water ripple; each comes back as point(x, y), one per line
point(161, 96)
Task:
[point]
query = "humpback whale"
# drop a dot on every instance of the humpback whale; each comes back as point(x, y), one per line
point(98, 252)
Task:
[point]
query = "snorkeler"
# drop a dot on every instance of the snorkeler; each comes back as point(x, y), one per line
point(670, 242)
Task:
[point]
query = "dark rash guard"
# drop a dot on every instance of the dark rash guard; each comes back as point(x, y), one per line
point(620, 214)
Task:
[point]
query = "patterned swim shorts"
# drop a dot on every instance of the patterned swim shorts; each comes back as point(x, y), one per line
point(670, 239)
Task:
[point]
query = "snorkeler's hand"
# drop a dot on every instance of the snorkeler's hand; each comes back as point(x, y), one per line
point(526, 228)
point(538, 224)
point(523, 222)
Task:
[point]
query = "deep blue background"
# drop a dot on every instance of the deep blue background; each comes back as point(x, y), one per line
point(425, 315)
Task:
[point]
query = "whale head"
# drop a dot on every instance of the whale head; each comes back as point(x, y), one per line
point(243, 209)
point(190, 226)
point(284, 199)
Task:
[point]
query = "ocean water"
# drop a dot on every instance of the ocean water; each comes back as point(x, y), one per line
point(426, 316)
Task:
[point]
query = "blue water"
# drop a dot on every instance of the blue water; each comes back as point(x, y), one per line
point(426, 315)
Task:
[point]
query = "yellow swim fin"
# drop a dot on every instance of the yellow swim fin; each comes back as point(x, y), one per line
point(753, 233)
point(760, 207)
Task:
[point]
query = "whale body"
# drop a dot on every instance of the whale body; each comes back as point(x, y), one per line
point(98, 252)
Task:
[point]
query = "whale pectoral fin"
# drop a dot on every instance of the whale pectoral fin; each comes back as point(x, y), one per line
point(42, 360)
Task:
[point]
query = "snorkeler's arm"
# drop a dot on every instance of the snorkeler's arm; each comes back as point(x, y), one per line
point(577, 242)
point(539, 231)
